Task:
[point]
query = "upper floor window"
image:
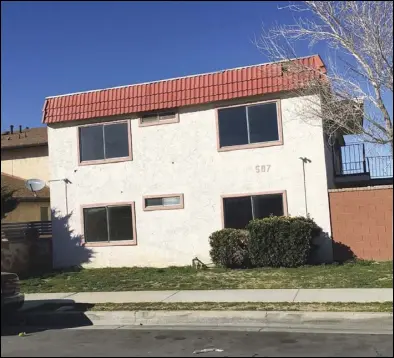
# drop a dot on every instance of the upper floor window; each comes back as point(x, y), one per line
point(106, 142)
point(249, 126)
point(151, 119)
point(163, 202)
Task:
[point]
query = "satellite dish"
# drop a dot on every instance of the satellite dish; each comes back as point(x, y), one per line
point(34, 185)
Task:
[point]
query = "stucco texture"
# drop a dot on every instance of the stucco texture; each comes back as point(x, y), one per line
point(181, 158)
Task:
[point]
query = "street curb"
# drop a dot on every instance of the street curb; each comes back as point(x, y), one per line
point(349, 322)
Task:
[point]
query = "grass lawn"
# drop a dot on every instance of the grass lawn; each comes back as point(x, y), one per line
point(247, 306)
point(360, 274)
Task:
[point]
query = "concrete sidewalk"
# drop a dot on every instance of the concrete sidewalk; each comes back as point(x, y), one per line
point(361, 295)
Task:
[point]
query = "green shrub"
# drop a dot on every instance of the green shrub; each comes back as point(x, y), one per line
point(281, 241)
point(229, 248)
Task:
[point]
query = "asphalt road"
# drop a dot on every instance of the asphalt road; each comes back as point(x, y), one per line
point(171, 343)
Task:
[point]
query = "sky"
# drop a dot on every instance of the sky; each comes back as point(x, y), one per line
point(52, 48)
point(59, 47)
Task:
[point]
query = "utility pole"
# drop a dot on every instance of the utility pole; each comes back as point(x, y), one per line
point(304, 161)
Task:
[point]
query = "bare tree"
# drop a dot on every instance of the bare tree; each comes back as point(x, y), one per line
point(359, 77)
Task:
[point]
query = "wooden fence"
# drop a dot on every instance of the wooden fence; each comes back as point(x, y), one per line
point(12, 231)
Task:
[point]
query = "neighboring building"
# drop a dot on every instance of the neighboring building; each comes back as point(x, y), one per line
point(24, 153)
point(30, 207)
point(147, 172)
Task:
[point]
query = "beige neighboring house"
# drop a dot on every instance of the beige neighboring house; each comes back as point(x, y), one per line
point(24, 155)
point(30, 207)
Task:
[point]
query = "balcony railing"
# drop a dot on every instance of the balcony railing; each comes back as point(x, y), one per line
point(352, 160)
point(380, 167)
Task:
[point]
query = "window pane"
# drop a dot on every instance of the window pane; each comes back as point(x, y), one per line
point(44, 213)
point(232, 126)
point(95, 224)
point(116, 140)
point(154, 202)
point(263, 123)
point(237, 212)
point(174, 200)
point(150, 118)
point(91, 143)
point(120, 223)
point(266, 205)
point(166, 116)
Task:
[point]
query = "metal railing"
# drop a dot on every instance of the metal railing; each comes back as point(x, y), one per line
point(17, 230)
point(352, 160)
point(380, 166)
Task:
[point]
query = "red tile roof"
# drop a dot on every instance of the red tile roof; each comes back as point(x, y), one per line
point(178, 92)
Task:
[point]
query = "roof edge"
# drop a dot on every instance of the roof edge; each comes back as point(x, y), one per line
point(44, 144)
point(18, 178)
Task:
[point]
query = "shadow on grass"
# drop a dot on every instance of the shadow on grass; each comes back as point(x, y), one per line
point(49, 273)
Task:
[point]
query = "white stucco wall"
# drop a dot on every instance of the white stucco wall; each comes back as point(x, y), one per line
point(181, 158)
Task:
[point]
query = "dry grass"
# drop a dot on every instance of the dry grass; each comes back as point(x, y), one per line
point(360, 274)
point(248, 306)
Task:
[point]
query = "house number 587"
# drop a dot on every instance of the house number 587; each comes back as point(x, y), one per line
point(262, 168)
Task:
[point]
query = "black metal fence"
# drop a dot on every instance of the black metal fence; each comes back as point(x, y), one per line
point(14, 231)
point(351, 159)
point(380, 167)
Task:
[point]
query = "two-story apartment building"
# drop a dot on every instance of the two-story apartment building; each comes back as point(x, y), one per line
point(145, 173)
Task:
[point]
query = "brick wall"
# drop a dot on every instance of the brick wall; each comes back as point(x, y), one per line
point(362, 219)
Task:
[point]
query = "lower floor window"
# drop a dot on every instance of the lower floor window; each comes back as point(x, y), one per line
point(239, 210)
point(109, 223)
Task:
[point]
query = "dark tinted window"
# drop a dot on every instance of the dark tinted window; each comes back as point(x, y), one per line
point(116, 140)
point(232, 126)
point(237, 212)
point(91, 143)
point(166, 116)
point(44, 213)
point(248, 124)
point(95, 224)
point(154, 202)
point(111, 223)
point(263, 123)
point(266, 205)
point(104, 142)
point(120, 223)
point(149, 118)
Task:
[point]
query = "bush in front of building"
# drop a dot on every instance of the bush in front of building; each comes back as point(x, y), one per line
point(281, 241)
point(229, 248)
